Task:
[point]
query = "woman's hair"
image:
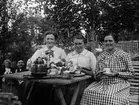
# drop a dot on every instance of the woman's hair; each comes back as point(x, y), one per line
point(79, 36)
point(6, 60)
point(51, 32)
point(115, 36)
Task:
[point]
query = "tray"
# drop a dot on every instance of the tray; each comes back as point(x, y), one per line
point(76, 75)
point(44, 76)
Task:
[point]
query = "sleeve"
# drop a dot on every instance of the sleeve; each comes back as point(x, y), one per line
point(63, 54)
point(129, 73)
point(98, 68)
point(35, 55)
point(33, 58)
point(93, 62)
point(67, 58)
point(28, 65)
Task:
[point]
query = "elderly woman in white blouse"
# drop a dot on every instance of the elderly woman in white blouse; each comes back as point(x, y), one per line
point(57, 53)
point(82, 59)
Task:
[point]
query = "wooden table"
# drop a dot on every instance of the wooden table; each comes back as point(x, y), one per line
point(57, 82)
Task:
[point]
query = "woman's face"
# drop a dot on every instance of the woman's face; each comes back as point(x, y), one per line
point(109, 42)
point(78, 45)
point(50, 40)
point(7, 64)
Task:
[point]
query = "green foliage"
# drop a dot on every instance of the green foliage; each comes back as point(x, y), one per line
point(19, 29)
point(102, 16)
point(14, 37)
point(21, 38)
point(119, 16)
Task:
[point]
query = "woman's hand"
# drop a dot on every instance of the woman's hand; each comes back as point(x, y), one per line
point(86, 71)
point(99, 75)
point(108, 72)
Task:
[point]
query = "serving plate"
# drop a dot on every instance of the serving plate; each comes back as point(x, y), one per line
point(44, 75)
point(76, 74)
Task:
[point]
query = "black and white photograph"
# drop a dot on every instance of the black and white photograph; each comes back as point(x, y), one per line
point(69, 52)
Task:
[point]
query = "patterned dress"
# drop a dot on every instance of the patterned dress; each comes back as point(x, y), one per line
point(110, 90)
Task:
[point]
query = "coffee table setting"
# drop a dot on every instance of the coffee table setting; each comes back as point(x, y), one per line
point(64, 70)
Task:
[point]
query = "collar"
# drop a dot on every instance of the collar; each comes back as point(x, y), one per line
point(82, 53)
point(53, 48)
point(7, 68)
point(112, 52)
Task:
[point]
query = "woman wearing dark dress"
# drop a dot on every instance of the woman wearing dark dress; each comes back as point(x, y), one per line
point(6, 67)
point(8, 85)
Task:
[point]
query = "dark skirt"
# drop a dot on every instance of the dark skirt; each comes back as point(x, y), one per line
point(45, 94)
point(42, 94)
point(69, 91)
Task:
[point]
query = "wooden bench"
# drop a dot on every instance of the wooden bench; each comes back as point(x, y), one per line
point(134, 89)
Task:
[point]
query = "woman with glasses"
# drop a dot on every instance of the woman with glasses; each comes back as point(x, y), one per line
point(114, 68)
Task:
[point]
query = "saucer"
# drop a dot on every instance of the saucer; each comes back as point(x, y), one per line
point(108, 73)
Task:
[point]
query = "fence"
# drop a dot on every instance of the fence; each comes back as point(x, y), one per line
point(131, 47)
point(134, 89)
